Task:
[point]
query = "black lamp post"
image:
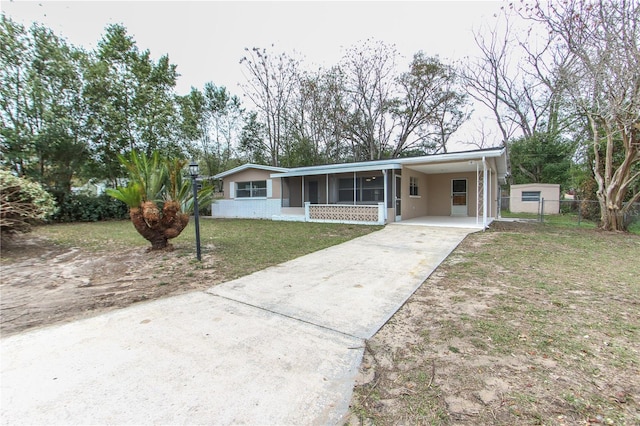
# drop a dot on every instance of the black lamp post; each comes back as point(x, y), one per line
point(193, 171)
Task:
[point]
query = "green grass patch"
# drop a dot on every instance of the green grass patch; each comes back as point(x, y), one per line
point(241, 246)
point(566, 220)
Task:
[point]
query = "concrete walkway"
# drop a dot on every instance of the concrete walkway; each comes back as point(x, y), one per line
point(280, 346)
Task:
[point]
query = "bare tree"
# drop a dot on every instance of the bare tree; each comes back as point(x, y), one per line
point(490, 80)
point(483, 135)
point(370, 87)
point(316, 114)
point(522, 77)
point(270, 84)
point(604, 83)
point(430, 107)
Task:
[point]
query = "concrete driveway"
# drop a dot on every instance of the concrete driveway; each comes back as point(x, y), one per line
point(280, 346)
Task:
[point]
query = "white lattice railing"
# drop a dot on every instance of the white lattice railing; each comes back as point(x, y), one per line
point(345, 213)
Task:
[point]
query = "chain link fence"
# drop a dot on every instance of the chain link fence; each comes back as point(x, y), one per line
point(576, 212)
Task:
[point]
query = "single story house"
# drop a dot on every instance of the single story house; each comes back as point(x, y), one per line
point(528, 198)
point(462, 185)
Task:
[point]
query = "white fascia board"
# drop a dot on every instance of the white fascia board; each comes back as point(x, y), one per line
point(453, 156)
point(498, 153)
point(339, 168)
point(249, 166)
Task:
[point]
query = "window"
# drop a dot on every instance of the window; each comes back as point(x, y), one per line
point(531, 196)
point(368, 189)
point(413, 186)
point(253, 189)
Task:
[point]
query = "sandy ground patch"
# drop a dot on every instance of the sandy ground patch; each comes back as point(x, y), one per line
point(44, 284)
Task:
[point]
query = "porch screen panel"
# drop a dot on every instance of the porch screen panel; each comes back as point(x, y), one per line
point(372, 189)
point(345, 190)
point(367, 189)
point(390, 201)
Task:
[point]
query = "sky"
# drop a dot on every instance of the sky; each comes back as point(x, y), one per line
point(206, 39)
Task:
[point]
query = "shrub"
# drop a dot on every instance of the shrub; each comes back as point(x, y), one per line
point(89, 208)
point(22, 203)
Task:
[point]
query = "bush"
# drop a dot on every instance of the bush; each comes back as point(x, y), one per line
point(22, 203)
point(89, 208)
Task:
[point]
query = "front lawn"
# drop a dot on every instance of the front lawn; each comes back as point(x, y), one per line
point(240, 246)
point(523, 324)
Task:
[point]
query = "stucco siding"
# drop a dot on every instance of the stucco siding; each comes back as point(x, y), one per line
point(549, 192)
point(440, 193)
point(250, 175)
point(415, 205)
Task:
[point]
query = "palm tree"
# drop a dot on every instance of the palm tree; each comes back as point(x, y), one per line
point(158, 197)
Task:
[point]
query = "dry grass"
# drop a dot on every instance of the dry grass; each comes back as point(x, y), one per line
point(524, 324)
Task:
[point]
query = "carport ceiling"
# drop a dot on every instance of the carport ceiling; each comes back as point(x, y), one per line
point(438, 168)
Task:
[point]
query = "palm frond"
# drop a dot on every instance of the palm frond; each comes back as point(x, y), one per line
point(149, 173)
point(131, 194)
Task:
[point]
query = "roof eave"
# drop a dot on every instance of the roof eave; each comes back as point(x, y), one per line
point(339, 168)
point(249, 166)
point(454, 156)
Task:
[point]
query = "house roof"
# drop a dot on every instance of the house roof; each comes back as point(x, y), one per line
point(249, 166)
point(456, 162)
point(436, 163)
point(464, 161)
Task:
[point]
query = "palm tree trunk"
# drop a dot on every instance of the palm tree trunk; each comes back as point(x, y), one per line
point(158, 228)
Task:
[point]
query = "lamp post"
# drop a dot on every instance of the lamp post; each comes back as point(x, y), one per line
point(193, 171)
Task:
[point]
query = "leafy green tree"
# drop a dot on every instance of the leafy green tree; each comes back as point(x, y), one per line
point(41, 108)
point(15, 55)
point(211, 121)
point(22, 203)
point(252, 140)
point(57, 112)
point(131, 102)
point(541, 158)
point(158, 196)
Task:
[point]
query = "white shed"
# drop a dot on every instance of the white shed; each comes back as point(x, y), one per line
point(527, 198)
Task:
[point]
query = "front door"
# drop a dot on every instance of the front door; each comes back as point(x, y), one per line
point(459, 197)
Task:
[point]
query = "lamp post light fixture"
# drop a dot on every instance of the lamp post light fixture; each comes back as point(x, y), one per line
point(193, 171)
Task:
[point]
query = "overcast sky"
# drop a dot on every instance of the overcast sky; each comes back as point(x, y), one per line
point(206, 39)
